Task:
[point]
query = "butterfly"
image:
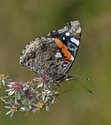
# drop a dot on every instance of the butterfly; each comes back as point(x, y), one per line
point(52, 56)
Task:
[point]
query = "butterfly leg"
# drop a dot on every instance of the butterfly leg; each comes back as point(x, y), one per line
point(65, 77)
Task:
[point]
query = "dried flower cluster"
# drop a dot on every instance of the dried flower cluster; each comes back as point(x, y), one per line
point(28, 96)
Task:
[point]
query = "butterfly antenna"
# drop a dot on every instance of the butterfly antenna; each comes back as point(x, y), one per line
point(83, 85)
point(82, 77)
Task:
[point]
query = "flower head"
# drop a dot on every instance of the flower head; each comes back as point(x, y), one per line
point(44, 78)
point(14, 87)
point(12, 106)
point(3, 78)
point(40, 105)
point(28, 90)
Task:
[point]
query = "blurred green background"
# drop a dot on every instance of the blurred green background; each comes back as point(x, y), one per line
point(23, 20)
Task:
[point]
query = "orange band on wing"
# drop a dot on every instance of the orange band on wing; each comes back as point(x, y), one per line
point(63, 48)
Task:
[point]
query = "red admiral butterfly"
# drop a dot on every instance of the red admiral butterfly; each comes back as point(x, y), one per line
point(52, 56)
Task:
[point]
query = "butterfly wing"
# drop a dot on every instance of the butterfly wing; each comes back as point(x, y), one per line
point(45, 56)
point(68, 42)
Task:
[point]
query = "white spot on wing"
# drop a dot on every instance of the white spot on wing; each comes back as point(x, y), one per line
point(72, 58)
point(58, 55)
point(67, 34)
point(63, 38)
point(75, 41)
